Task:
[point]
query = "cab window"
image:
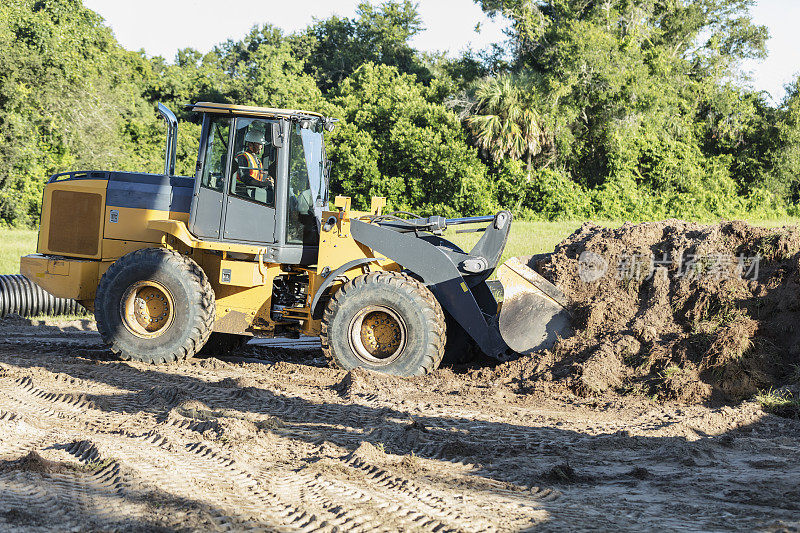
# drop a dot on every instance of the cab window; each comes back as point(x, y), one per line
point(254, 163)
point(216, 153)
point(305, 185)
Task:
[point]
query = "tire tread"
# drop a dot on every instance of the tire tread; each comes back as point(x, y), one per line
point(188, 268)
point(405, 283)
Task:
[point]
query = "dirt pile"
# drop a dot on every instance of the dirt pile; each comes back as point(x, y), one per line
point(673, 310)
point(33, 462)
point(360, 382)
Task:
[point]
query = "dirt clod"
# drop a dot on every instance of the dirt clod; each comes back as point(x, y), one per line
point(640, 473)
point(361, 381)
point(562, 473)
point(368, 453)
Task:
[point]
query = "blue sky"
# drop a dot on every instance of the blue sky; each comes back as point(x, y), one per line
point(162, 27)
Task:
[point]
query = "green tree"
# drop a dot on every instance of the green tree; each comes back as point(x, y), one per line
point(259, 69)
point(619, 108)
point(335, 47)
point(69, 99)
point(506, 122)
point(786, 154)
point(191, 78)
point(398, 141)
point(635, 92)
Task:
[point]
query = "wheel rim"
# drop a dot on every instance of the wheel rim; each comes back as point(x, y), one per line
point(377, 335)
point(147, 309)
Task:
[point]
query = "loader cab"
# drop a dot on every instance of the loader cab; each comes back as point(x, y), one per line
point(261, 179)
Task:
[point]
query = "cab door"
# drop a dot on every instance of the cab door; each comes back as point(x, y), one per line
point(249, 211)
point(212, 173)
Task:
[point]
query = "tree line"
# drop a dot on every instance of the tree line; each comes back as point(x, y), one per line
point(613, 109)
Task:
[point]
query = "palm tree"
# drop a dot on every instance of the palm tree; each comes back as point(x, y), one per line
point(506, 123)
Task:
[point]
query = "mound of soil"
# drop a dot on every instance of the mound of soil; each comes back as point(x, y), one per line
point(368, 453)
point(673, 310)
point(33, 462)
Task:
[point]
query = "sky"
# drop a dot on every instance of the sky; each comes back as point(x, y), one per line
point(783, 62)
point(161, 27)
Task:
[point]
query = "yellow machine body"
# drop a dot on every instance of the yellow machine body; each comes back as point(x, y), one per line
point(81, 236)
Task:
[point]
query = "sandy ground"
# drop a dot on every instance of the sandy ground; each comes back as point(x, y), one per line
point(273, 439)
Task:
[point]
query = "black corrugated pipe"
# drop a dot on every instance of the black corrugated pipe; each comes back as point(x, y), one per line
point(20, 296)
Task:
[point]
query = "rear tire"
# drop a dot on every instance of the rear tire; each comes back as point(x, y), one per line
point(155, 305)
point(384, 321)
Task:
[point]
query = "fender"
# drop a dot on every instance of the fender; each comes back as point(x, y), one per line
point(178, 229)
point(317, 313)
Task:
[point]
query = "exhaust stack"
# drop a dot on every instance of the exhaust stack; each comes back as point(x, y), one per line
point(172, 139)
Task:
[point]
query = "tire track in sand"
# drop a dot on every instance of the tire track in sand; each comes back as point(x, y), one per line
point(244, 490)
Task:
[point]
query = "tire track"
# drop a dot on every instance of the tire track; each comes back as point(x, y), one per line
point(403, 497)
point(96, 494)
point(207, 464)
point(338, 504)
point(127, 447)
point(74, 497)
point(245, 446)
point(373, 511)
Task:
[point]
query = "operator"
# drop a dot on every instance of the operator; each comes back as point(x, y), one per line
point(250, 172)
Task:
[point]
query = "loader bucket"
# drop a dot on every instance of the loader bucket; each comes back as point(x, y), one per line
point(533, 313)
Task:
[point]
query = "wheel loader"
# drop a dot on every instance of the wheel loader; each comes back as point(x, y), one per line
point(250, 245)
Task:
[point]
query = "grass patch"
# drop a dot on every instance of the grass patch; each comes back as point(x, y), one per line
point(526, 238)
point(775, 223)
point(670, 371)
point(59, 318)
point(781, 403)
point(535, 237)
point(15, 244)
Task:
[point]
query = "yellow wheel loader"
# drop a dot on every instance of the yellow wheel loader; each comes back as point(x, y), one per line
point(251, 246)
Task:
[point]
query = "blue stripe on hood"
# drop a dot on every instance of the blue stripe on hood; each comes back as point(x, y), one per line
point(149, 191)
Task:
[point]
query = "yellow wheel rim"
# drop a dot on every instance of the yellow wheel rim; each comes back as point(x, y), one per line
point(377, 334)
point(147, 309)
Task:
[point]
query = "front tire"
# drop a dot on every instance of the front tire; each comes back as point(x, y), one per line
point(384, 321)
point(155, 305)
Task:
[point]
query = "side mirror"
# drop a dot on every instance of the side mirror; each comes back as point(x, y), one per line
point(277, 135)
